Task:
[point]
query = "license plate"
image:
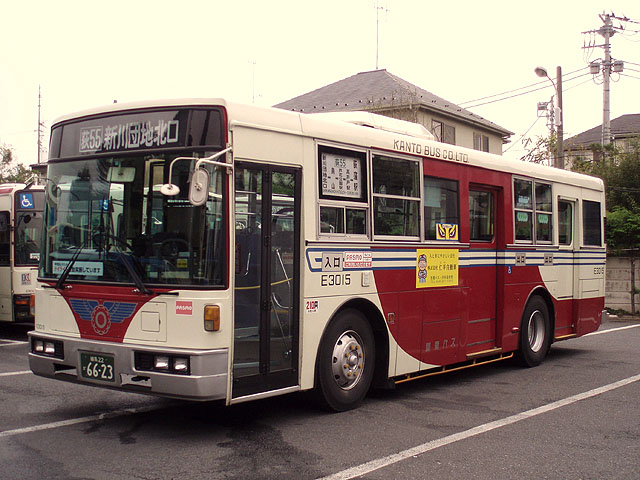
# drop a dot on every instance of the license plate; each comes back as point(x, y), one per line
point(97, 366)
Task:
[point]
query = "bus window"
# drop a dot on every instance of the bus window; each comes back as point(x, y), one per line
point(396, 197)
point(27, 238)
point(565, 220)
point(523, 202)
point(591, 223)
point(440, 204)
point(480, 216)
point(4, 238)
point(331, 219)
point(543, 213)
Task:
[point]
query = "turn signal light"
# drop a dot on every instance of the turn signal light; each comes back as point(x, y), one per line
point(32, 305)
point(212, 318)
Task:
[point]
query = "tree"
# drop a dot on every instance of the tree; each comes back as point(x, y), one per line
point(539, 150)
point(11, 171)
point(620, 171)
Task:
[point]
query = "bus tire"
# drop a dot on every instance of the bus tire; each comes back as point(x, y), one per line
point(535, 333)
point(346, 362)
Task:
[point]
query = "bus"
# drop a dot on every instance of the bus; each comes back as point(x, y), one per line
point(21, 209)
point(208, 250)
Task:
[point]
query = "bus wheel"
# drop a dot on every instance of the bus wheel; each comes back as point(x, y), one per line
point(346, 361)
point(535, 333)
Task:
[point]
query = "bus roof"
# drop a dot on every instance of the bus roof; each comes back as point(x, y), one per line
point(360, 129)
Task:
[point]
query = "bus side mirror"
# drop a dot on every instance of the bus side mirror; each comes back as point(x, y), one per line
point(199, 187)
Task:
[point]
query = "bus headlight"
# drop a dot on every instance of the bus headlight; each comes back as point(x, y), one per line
point(161, 363)
point(38, 346)
point(181, 364)
point(49, 348)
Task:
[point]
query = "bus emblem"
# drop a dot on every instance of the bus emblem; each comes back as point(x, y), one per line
point(100, 320)
point(101, 315)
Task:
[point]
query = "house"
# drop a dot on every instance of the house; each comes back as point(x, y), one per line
point(383, 93)
point(586, 145)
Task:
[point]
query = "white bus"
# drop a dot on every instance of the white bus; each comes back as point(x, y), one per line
point(207, 250)
point(20, 231)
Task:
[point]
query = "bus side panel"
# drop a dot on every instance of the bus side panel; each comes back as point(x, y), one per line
point(589, 315)
point(6, 300)
point(427, 320)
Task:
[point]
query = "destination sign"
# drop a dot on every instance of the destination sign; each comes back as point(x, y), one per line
point(142, 130)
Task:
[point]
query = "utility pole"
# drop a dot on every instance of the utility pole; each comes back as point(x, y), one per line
point(608, 65)
point(555, 114)
point(558, 119)
point(607, 32)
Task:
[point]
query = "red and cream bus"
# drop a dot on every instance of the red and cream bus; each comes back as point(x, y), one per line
point(20, 232)
point(208, 250)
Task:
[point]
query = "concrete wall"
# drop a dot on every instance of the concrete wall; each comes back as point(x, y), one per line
point(620, 271)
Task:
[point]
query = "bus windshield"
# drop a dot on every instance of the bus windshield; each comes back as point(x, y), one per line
point(107, 218)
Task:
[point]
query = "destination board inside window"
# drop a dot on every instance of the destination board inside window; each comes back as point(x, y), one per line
point(342, 174)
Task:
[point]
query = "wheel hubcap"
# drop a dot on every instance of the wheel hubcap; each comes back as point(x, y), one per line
point(348, 360)
point(535, 330)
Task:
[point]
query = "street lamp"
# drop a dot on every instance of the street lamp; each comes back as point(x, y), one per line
point(557, 86)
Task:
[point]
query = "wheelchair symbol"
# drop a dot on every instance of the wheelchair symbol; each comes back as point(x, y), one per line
point(26, 200)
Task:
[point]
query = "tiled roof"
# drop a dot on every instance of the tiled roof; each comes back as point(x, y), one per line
point(380, 90)
point(624, 126)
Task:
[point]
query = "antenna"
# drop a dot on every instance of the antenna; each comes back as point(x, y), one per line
point(386, 10)
point(39, 125)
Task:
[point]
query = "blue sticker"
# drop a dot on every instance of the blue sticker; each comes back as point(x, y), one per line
point(26, 200)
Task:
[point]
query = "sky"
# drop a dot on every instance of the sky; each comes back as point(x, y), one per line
point(84, 54)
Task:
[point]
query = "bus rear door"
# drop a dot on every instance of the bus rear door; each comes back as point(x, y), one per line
point(481, 331)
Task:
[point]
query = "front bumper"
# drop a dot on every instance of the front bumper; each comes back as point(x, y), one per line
point(207, 378)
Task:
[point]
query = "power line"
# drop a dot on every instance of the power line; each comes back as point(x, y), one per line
point(524, 93)
point(518, 89)
point(522, 136)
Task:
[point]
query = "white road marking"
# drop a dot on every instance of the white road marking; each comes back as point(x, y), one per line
point(599, 332)
point(379, 463)
point(10, 374)
point(11, 342)
point(76, 421)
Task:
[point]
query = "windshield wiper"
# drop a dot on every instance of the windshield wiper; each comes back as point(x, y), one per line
point(134, 275)
point(125, 260)
point(67, 269)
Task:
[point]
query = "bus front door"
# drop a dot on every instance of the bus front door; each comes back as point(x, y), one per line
point(266, 317)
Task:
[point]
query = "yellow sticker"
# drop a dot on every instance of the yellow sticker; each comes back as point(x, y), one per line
point(436, 267)
point(446, 231)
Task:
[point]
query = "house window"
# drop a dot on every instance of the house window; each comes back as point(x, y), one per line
point(444, 133)
point(480, 142)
